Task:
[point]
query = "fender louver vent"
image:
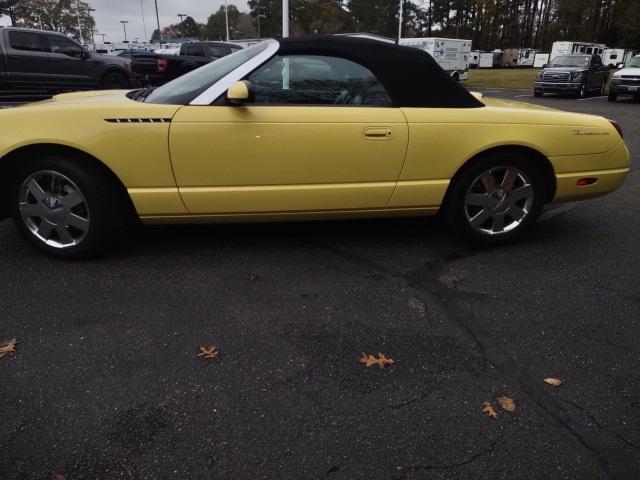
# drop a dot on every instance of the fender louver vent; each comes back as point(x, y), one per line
point(138, 120)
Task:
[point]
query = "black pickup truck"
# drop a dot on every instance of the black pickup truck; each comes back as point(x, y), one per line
point(576, 74)
point(36, 62)
point(155, 69)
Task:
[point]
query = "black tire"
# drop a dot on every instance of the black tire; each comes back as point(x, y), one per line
point(583, 92)
point(538, 93)
point(612, 97)
point(456, 209)
point(115, 81)
point(104, 205)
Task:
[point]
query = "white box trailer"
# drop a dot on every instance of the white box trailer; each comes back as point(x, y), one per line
point(612, 57)
point(569, 48)
point(474, 58)
point(487, 60)
point(526, 57)
point(452, 54)
point(540, 59)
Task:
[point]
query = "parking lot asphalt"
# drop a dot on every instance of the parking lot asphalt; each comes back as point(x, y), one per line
point(106, 383)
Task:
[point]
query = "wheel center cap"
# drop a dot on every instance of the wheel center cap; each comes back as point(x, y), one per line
point(56, 213)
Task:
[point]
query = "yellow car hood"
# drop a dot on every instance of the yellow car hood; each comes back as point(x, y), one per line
point(87, 98)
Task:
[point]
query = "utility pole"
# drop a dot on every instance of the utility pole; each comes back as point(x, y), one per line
point(124, 25)
point(182, 15)
point(93, 30)
point(158, 20)
point(400, 22)
point(226, 17)
point(285, 18)
point(144, 23)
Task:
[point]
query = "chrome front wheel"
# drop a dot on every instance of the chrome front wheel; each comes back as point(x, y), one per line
point(54, 209)
point(499, 200)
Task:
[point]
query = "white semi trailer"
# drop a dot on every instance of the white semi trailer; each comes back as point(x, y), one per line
point(452, 54)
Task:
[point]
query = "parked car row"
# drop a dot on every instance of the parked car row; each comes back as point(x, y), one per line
point(38, 63)
point(581, 75)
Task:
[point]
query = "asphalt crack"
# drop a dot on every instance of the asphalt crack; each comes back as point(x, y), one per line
point(425, 279)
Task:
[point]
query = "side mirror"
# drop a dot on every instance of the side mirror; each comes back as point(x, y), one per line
point(620, 66)
point(240, 93)
point(84, 55)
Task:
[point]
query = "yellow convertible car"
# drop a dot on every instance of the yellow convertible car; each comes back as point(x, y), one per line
point(307, 128)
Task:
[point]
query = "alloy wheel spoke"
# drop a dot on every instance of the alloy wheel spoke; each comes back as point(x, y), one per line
point(478, 199)
point(481, 218)
point(36, 190)
point(64, 235)
point(521, 193)
point(78, 222)
point(31, 210)
point(72, 199)
point(45, 229)
point(498, 223)
point(508, 180)
point(516, 213)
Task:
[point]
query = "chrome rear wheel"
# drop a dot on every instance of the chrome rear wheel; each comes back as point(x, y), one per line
point(499, 200)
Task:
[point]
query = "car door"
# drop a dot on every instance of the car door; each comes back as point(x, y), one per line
point(320, 135)
point(70, 64)
point(28, 60)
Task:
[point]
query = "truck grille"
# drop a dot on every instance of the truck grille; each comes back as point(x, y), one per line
point(630, 79)
point(555, 76)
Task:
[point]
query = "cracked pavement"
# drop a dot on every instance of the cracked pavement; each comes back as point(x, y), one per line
point(106, 383)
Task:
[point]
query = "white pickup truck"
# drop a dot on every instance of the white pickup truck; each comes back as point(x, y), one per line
point(626, 81)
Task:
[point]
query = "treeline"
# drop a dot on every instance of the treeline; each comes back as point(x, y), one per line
point(488, 23)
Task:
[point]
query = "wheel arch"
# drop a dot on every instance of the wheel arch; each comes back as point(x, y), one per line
point(10, 161)
point(114, 69)
point(545, 166)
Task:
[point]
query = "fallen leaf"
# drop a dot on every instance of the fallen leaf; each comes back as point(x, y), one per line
point(506, 403)
point(554, 382)
point(58, 477)
point(253, 277)
point(488, 409)
point(8, 349)
point(209, 352)
point(382, 361)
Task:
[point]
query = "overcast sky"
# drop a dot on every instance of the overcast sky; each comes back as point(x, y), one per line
point(109, 13)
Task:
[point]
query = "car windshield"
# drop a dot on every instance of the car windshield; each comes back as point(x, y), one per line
point(635, 62)
point(187, 87)
point(570, 61)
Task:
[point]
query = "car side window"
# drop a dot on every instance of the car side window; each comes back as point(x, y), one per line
point(218, 52)
point(64, 46)
point(31, 42)
point(316, 80)
point(197, 51)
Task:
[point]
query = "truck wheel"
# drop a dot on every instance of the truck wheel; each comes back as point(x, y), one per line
point(538, 93)
point(612, 96)
point(496, 199)
point(115, 81)
point(66, 209)
point(583, 92)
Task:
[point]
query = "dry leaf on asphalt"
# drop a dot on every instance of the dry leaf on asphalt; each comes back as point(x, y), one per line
point(209, 352)
point(381, 361)
point(8, 349)
point(488, 409)
point(58, 477)
point(554, 382)
point(506, 403)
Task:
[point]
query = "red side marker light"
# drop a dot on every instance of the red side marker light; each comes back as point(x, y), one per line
point(617, 126)
point(163, 63)
point(583, 182)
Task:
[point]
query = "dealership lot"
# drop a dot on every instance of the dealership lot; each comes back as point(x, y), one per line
point(106, 382)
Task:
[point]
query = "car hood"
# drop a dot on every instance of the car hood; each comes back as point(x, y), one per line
point(91, 97)
point(628, 71)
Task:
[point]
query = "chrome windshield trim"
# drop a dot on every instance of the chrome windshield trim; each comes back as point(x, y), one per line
point(214, 91)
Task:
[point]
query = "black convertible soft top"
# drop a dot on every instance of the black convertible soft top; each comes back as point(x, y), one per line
point(411, 77)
